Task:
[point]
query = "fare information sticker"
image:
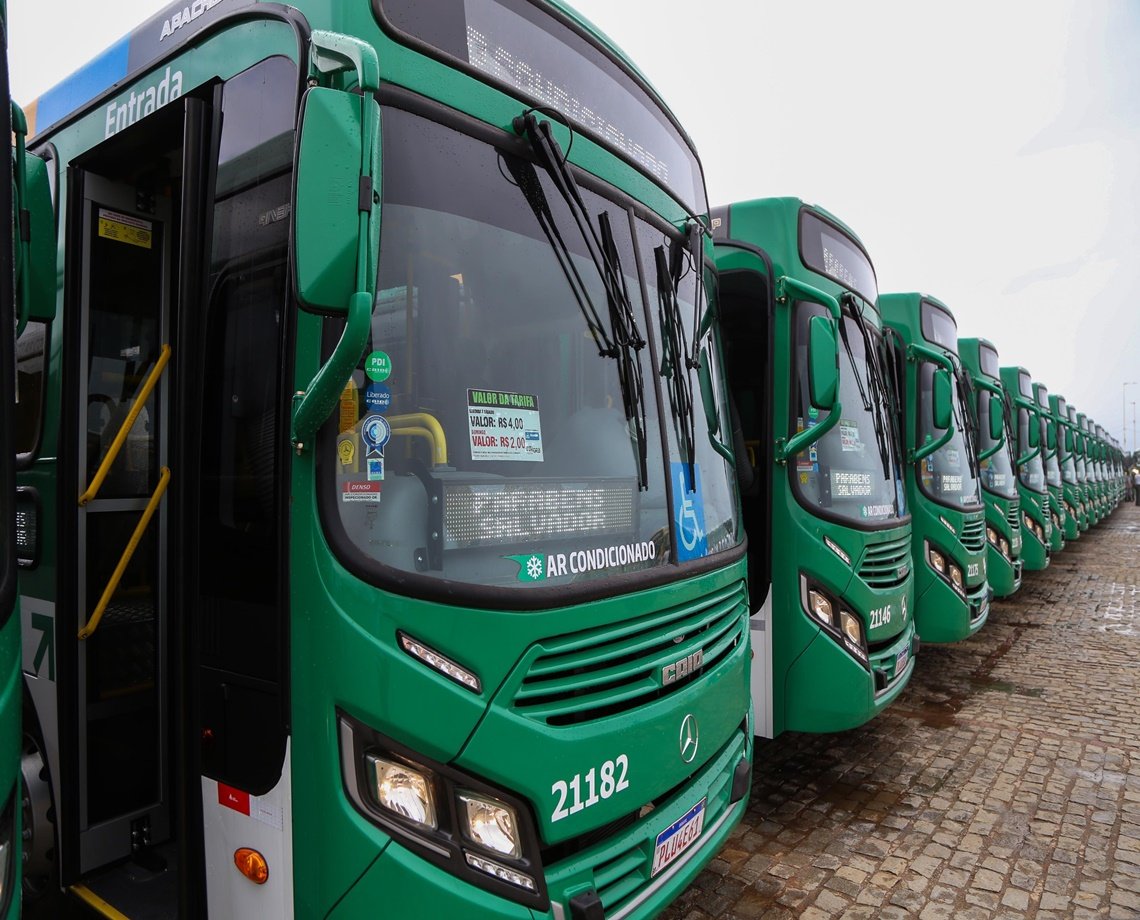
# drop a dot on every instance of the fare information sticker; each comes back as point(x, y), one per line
point(503, 426)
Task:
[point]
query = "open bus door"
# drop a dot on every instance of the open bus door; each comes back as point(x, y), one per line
point(172, 655)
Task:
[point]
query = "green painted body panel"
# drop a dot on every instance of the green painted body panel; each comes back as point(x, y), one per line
point(817, 686)
point(1003, 514)
point(942, 614)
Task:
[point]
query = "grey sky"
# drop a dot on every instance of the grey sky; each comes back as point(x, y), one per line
point(986, 153)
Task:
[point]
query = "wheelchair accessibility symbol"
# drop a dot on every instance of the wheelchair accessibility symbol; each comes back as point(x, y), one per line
point(689, 513)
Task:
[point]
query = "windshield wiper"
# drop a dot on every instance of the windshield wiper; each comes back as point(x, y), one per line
point(623, 340)
point(675, 361)
point(877, 401)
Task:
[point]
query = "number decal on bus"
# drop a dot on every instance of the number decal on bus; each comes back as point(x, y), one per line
point(881, 616)
point(598, 784)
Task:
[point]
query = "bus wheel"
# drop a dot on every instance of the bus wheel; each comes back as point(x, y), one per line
point(38, 821)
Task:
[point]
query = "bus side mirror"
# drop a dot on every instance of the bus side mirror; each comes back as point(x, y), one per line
point(336, 209)
point(1069, 440)
point(37, 233)
point(943, 396)
point(1050, 436)
point(823, 372)
point(1034, 430)
point(996, 417)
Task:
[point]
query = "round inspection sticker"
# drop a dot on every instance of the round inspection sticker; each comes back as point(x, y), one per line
point(375, 431)
point(377, 397)
point(378, 366)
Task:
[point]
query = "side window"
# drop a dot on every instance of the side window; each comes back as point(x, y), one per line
point(31, 349)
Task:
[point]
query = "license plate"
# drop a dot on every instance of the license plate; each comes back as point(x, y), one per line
point(678, 837)
point(901, 660)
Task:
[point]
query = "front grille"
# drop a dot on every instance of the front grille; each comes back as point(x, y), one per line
point(1013, 515)
point(974, 535)
point(886, 565)
point(601, 672)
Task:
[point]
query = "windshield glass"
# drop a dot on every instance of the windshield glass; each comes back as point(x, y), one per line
point(842, 474)
point(1032, 473)
point(1052, 464)
point(997, 469)
point(483, 438)
point(947, 475)
point(548, 63)
point(1069, 459)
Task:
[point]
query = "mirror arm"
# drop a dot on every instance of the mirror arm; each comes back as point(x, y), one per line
point(914, 351)
point(996, 391)
point(785, 284)
point(331, 52)
point(786, 448)
point(312, 406)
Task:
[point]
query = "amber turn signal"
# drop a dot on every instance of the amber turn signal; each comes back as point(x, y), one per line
point(252, 865)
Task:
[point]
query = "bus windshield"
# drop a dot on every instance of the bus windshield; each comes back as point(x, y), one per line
point(997, 469)
point(1052, 464)
point(853, 471)
point(1069, 463)
point(528, 51)
point(485, 438)
point(947, 475)
point(1031, 473)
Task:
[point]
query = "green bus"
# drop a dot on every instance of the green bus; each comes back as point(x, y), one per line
point(1028, 431)
point(952, 595)
point(996, 465)
point(1066, 457)
point(389, 553)
point(1096, 489)
point(1075, 437)
point(10, 697)
point(818, 462)
point(1050, 451)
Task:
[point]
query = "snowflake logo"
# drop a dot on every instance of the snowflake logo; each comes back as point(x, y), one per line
point(534, 568)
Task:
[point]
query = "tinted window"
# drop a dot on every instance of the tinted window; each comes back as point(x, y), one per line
point(947, 475)
point(827, 250)
point(939, 327)
point(988, 360)
point(546, 62)
point(997, 469)
point(1025, 384)
point(31, 348)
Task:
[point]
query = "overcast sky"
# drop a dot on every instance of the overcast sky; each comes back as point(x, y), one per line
point(986, 153)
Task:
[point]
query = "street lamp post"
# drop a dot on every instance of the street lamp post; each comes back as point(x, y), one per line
point(1124, 413)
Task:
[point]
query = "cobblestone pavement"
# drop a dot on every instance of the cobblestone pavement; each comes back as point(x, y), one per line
point(1004, 782)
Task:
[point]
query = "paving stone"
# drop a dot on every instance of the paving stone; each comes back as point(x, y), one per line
point(1004, 782)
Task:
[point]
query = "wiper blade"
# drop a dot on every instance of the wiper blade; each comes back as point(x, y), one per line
point(876, 402)
point(623, 341)
point(675, 353)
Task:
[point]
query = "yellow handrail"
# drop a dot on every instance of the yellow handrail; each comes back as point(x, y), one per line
point(434, 432)
point(128, 423)
point(124, 560)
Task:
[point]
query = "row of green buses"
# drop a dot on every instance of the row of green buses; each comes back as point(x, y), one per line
point(422, 498)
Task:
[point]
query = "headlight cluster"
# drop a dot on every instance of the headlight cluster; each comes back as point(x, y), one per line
point(465, 826)
point(1071, 511)
point(998, 541)
point(843, 625)
point(950, 571)
point(1033, 527)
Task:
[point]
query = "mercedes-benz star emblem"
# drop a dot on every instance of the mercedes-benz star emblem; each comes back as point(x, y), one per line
point(690, 738)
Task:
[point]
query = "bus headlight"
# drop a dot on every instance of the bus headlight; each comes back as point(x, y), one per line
point(956, 577)
point(937, 561)
point(490, 824)
point(403, 790)
point(851, 627)
point(1004, 546)
point(820, 607)
point(992, 535)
